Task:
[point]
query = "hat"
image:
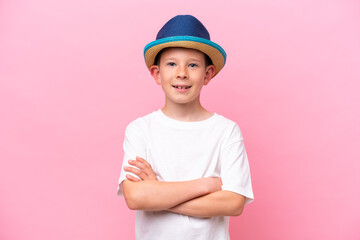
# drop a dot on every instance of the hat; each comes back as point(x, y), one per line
point(188, 32)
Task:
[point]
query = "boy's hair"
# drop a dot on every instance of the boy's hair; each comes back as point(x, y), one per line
point(208, 61)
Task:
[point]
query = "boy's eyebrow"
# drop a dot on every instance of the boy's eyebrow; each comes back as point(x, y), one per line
point(195, 59)
point(170, 58)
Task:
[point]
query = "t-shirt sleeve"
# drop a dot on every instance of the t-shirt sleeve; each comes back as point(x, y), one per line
point(235, 169)
point(134, 145)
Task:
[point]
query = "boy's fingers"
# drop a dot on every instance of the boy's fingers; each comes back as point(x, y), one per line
point(143, 161)
point(137, 163)
point(135, 171)
point(143, 170)
point(146, 167)
point(132, 178)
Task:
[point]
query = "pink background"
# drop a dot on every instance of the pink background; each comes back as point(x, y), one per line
point(72, 76)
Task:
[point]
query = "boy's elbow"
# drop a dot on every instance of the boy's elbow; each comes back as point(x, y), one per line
point(132, 205)
point(131, 201)
point(132, 195)
point(238, 206)
point(238, 211)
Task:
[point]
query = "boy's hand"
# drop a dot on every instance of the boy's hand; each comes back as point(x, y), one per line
point(145, 171)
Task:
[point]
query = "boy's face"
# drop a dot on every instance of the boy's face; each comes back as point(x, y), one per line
point(182, 74)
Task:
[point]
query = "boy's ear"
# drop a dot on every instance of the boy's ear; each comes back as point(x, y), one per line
point(209, 73)
point(155, 73)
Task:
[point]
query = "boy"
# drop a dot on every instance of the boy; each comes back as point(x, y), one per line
point(185, 169)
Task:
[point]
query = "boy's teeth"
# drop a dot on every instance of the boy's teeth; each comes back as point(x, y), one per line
point(181, 87)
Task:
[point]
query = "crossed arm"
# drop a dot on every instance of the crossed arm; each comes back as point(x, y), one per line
point(201, 197)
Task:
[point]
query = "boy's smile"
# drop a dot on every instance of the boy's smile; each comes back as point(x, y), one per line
point(182, 74)
point(181, 88)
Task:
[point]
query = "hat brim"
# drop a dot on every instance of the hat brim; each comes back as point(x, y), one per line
point(213, 50)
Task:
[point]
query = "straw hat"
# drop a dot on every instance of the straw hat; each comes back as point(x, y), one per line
point(188, 32)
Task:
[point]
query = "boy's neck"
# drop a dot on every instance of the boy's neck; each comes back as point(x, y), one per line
point(186, 112)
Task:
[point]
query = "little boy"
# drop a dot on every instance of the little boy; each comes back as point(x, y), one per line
point(185, 169)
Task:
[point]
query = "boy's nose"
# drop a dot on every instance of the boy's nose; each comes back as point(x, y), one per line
point(182, 72)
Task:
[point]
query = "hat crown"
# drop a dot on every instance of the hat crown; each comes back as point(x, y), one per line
point(183, 25)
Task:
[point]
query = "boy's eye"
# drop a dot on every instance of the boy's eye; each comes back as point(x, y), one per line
point(192, 65)
point(171, 64)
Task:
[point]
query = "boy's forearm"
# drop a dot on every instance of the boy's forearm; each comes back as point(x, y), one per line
point(220, 203)
point(156, 195)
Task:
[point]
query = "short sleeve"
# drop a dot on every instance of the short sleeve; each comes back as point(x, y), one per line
point(134, 145)
point(235, 169)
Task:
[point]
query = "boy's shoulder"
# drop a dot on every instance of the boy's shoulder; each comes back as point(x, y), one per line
point(143, 120)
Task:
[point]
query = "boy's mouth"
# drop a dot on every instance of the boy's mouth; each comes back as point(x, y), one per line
point(181, 87)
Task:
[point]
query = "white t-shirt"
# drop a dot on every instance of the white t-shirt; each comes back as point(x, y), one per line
point(181, 151)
